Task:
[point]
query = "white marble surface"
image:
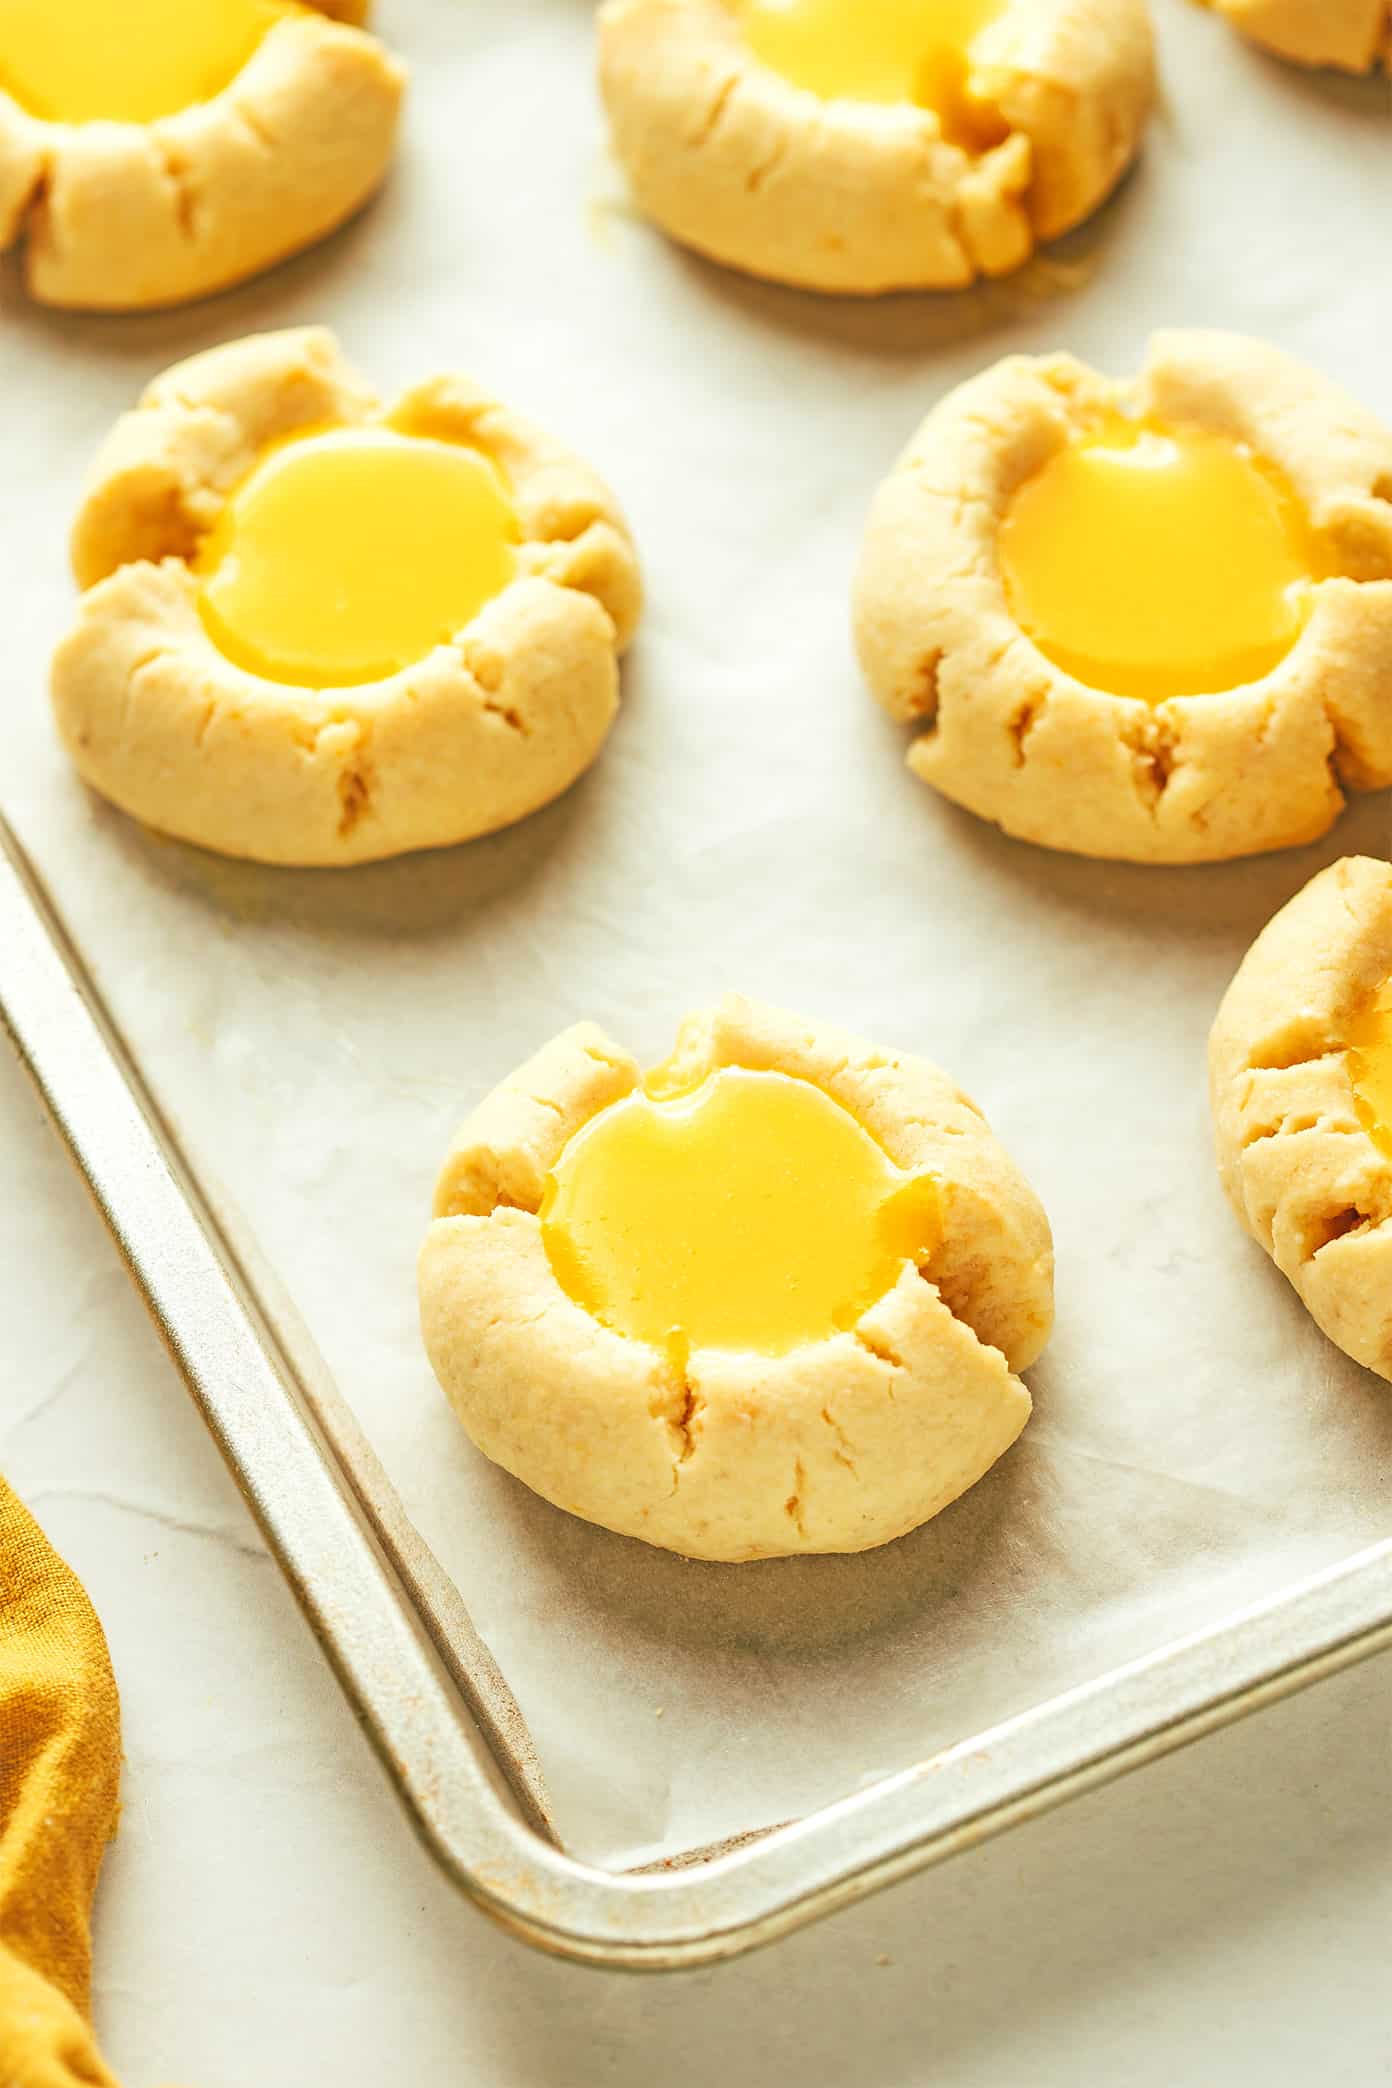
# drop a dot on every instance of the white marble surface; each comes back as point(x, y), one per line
point(267, 1917)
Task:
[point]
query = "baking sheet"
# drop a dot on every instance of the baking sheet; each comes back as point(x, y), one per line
point(317, 1035)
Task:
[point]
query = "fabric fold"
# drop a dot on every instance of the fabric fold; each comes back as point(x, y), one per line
point(60, 1757)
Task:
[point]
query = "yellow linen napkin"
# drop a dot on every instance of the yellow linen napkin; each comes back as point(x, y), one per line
point(60, 1757)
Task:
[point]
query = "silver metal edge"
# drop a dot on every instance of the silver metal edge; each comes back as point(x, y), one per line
point(250, 1390)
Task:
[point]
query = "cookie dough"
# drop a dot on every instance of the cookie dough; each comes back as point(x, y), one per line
point(1354, 35)
point(272, 656)
point(874, 145)
point(1300, 1066)
point(772, 1299)
point(152, 151)
point(1147, 620)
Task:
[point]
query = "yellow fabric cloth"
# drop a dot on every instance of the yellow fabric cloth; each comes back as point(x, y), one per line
point(60, 1756)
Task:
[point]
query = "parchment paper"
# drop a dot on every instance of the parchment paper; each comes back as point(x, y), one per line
point(1197, 1443)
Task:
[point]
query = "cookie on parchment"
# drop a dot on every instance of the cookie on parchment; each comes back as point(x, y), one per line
point(153, 151)
point(774, 1298)
point(318, 629)
point(849, 145)
point(1148, 620)
point(1300, 1067)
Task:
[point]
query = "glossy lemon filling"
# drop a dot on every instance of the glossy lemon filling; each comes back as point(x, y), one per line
point(1370, 1063)
point(127, 61)
point(349, 553)
point(1159, 561)
point(879, 51)
point(752, 1212)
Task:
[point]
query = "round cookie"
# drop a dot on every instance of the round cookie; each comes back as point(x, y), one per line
point(187, 693)
point(939, 167)
point(1300, 1068)
point(1353, 35)
point(159, 157)
point(971, 537)
point(868, 1412)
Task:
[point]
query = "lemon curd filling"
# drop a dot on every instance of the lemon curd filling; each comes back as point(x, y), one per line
point(879, 51)
point(752, 1212)
point(1159, 561)
point(1370, 1063)
point(82, 61)
point(347, 554)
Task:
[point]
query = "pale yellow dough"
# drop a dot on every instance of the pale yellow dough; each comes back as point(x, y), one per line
point(1306, 1179)
point(734, 160)
point(119, 216)
point(1353, 35)
point(1017, 740)
point(477, 734)
point(836, 1447)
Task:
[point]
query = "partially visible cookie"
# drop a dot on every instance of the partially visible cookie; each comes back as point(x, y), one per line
point(1149, 620)
point(930, 147)
point(1300, 1066)
point(153, 151)
point(771, 1300)
point(1352, 35)
point(318, 629)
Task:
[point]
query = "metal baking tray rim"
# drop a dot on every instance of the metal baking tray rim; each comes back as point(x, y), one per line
point(425, 1688)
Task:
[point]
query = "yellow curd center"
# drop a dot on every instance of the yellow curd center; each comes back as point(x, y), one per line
point(1155, 562)
point(347, 554)
point(751, 1213)
point(1370, 1061)
point(878, 51)
point(128, 61)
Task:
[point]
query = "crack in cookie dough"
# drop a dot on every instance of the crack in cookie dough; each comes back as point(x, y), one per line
point(1302, 1156)
point(1041, 114)
point(881, 1424)
point(182, 196)
point(684, 1425)
point(395, 740)
point(1019, 739)
point(1350, 35)
point(844, 1449)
